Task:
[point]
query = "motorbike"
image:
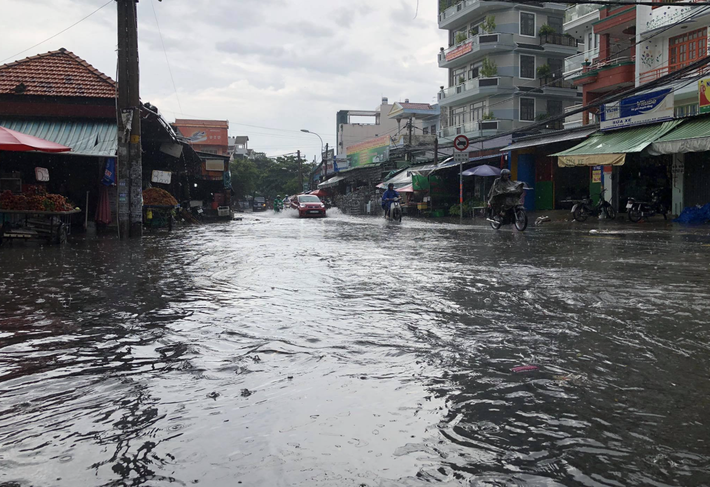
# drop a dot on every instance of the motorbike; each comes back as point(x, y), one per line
point(508, 210)
point(585, 208)
point(278, 206)
point(643, 209)
point(395, 213)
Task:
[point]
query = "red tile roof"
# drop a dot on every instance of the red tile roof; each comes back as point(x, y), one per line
point(55, 73)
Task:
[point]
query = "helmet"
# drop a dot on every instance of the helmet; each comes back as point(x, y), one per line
point(390, 186)
point(504, 173)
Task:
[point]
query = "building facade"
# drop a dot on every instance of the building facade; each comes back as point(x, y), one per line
point(504, 66)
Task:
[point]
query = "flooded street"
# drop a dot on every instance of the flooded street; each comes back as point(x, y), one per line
point(350, 352)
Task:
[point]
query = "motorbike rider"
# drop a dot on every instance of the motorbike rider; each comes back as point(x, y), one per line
point(499, 186)
point(278, 203)
point(388, 197)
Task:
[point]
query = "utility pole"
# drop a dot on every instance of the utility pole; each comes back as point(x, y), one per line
point(300, 171)
point(130, 167)
point(325, 161)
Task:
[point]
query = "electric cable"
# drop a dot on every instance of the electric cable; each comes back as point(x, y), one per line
point(162, 42)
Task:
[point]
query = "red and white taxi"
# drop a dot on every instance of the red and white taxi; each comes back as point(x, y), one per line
point(308, 205)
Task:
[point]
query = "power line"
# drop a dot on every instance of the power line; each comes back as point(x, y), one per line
point(614, 3)
point(162, 42)
point(14, 56)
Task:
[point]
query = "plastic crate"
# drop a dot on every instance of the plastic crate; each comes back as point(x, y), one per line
point(223, 211)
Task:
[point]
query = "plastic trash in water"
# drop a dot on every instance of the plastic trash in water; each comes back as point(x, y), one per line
point(524, 368)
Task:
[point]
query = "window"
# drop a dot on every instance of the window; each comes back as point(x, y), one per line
point(687, 48)
point(457, 74)
point(477, 111)
point(433, 130)
point(557, 67)
point(458, 116)
point(527, 109)
point(527, 66)
point(554, 107)
point(474, 71)
point(555, 23)
point(425, 131)
point(686, 111)
point(527, 24)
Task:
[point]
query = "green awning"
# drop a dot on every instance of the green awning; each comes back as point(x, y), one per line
point(692, 136)
point(610, 148)
point(86, 138)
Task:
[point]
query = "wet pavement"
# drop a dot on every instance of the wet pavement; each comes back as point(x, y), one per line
point(351, 352)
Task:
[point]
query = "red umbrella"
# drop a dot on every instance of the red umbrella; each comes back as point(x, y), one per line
point(318, 192)
point(17, 141)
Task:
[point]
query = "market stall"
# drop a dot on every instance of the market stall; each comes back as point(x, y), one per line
point(34, 215)
point(159, 208)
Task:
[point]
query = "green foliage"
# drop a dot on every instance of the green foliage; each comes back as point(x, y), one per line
point(544, 71)
point(546, 30)
point(488, 68)
point(488, 116)
point(444, 4)
point(460, 37)
point(268, 177)
point(489, 25)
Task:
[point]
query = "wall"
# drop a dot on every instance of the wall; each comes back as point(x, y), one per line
point(351, 134)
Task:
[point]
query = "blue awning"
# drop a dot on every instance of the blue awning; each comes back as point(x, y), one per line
point(86, 138)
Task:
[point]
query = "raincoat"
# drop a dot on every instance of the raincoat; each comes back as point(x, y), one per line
point(505, 194)
point(389, 194)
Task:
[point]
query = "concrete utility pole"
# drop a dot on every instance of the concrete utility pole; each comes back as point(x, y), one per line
point(325, 161)
point(300, 171)
point(130, 166)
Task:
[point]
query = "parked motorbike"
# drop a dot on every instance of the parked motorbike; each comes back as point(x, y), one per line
point(505, 208)
point(395, 213)
point(583, 209)
point(643, 209)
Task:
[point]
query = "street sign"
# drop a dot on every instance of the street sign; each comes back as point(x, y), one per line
point(460, 157)
point(461, 143)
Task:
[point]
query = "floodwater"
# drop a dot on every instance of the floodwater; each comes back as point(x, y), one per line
point(351, 352)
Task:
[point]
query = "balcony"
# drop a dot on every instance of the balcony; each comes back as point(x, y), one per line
point(606, 74)
point(478, 128)
point(553, 86)
point(464, 11)
point(579, 15)
point(575, 64)
point(654, 74)
point(475, 46)
point(476, 88)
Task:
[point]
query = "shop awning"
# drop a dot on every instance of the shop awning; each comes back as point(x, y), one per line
point(452, 163)
point(400, 179)
point(610, 148)
point(550, 139)
point(85, 138)
point(692, 136)
point(331, 182)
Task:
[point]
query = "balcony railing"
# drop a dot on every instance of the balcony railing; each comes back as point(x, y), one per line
point(573, 13)
point(478, 128)
point(558, 40)
point(575, 63)
point(654, 74)
point(475, 85)
point(475, 43)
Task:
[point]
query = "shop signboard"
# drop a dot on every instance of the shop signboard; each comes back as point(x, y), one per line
point(704, 94)
point(214, 165)
point(161, 177)
point(42, 174)
point(373, 151)
point(341, 163)
point(597, 174)
point(214, 134)
point(643, 109)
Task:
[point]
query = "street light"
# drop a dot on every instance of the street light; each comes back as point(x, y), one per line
point(321, 149)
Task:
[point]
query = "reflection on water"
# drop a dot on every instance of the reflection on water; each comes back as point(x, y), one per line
point(352, 351)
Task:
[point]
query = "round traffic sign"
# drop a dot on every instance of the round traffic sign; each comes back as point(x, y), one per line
point(461, 142)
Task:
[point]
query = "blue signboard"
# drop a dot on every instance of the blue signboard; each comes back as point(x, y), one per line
point(643, 109)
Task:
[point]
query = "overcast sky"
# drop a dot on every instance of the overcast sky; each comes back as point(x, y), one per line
point(275, 64)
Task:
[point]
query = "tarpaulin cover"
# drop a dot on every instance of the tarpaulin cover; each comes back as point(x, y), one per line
point(694, 214)
point(610, 148)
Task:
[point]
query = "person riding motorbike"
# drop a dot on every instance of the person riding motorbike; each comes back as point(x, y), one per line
point(388, 197)
point(278, 203)
point(501, 186)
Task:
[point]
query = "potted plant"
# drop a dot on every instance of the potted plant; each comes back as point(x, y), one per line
point(546, 30)
point(462, 80)
point(488, 68)
point(544, 71)
point(489, 25)
point(460, 37)
point(488, 116)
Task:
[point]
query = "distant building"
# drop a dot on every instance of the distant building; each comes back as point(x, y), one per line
point(209, 136)
point(375, 123)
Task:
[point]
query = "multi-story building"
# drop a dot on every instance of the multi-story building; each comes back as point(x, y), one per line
point(356, 126)
point(505, 63)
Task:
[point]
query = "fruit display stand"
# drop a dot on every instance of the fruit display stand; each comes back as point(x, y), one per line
point(48, 226)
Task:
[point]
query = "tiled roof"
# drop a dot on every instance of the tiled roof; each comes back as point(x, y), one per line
point(416, 106)
point(55, 73)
